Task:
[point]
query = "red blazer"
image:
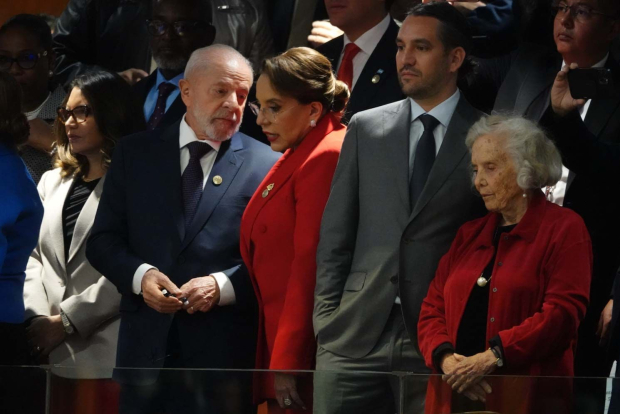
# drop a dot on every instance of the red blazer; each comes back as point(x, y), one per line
point(539, 294)
point(279, 237)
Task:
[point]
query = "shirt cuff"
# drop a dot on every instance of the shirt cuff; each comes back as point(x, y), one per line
point(438, 354)
point(136, 285)
point(227, 291)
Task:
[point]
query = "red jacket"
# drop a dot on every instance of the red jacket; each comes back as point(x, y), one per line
point(538, 295)
point(279, 237)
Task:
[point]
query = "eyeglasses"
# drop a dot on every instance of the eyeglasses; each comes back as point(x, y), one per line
point(579, 12)
point(79, 113)
point(27, 60)
point(181, 27)
point(269, 112)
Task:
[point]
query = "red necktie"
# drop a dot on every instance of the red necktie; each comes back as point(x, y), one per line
point(345, 72)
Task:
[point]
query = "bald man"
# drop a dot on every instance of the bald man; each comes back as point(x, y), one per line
point(167, 235)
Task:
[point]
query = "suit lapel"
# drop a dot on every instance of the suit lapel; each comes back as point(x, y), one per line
point(603, 108)
point(396, 131)
point(56, 230)
point(174, 113)
point(380, 63)
point(226, 165)
point(450, 154)
point(332, 51)
point(167, 171)
point(85, 220)
point(533, 97)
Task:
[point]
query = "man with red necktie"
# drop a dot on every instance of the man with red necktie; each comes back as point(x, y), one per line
point(363, 57)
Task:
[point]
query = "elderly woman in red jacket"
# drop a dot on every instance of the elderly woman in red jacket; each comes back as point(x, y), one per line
point(508, 297)
point(299, 108)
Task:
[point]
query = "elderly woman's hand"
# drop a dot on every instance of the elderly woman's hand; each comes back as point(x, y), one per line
point(470, 371)
point(476, 392)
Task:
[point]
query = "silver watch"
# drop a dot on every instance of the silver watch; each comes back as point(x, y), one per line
point(66, 323)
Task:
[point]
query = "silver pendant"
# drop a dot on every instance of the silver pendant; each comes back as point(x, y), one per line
point(482, 282)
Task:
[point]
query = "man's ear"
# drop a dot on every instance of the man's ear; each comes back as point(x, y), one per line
point(184, 86)
point(457, 57)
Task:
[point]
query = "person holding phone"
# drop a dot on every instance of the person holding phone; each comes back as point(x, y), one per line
point(583, 31)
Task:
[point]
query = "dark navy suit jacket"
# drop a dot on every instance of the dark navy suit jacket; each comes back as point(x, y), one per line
point(140, 220)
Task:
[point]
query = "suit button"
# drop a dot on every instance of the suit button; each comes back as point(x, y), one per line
point(494, 290)
point(492, 319)
point(181, 259)
point(500, 264)
point(505, 237)
point(262, 228)
point(394, 279)
point(61, 283)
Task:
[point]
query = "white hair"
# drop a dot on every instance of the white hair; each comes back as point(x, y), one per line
point(201, 58)
point(537, 160)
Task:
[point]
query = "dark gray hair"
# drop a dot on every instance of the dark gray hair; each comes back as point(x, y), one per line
point(537, 160)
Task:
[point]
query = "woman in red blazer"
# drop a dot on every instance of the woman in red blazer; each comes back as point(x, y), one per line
point(509, 295)
point(299, 108)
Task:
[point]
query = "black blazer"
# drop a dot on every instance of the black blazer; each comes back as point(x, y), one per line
point(382, 62)
point(596, 163)
point(173, 114)
point(140, 220)
point(590, 150)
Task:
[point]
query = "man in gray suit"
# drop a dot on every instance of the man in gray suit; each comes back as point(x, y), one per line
point(401, 190)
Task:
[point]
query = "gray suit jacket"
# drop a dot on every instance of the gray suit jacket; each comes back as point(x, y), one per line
point(90, 301)
point(371, 242)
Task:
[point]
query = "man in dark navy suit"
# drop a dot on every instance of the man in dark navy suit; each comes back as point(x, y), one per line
point(365, 56)
point(176, 29)
point(168, 223)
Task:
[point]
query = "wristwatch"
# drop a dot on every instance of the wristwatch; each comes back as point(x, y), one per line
point(66, 323)
point(499, 361)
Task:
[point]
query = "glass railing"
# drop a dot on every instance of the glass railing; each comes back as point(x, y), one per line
point(67, 390)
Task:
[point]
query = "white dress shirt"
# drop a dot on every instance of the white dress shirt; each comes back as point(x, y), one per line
point(558, 191)
point(186, 136)
point(443, 113)
point(367, 44)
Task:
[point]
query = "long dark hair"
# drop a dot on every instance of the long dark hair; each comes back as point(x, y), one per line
point(14, 128)
point(115, 110)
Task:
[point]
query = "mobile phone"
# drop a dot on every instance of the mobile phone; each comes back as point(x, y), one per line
point(591, 83)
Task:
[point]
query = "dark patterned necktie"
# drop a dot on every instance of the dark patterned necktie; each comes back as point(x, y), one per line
point(192, 179)
point(424, 158)
point(165, 89)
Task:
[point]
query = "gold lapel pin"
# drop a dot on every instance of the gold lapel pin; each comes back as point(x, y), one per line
point(217, 180)
point(377, 77)
point(268, 189)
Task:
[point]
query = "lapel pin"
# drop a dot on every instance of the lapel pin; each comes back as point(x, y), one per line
point(377, 77)
point(217, 180)
point(268, 189)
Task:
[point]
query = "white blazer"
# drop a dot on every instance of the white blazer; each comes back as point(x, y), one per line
point(90, 301)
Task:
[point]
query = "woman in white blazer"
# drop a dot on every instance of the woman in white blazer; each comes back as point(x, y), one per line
point(72, 309)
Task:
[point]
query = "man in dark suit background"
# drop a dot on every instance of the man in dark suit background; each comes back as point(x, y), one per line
point(169, 219)
point(176, 29)
point(401, 190)
point(363, 57)
point(583, 32)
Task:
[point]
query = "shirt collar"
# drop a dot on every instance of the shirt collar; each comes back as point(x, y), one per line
point(187, 135)
point(369, 40)
point(160, 79)
point(600, 64)
point(442, 112)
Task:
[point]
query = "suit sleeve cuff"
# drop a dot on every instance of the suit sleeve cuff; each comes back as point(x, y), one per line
point(227, 291)
point(136, 285)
